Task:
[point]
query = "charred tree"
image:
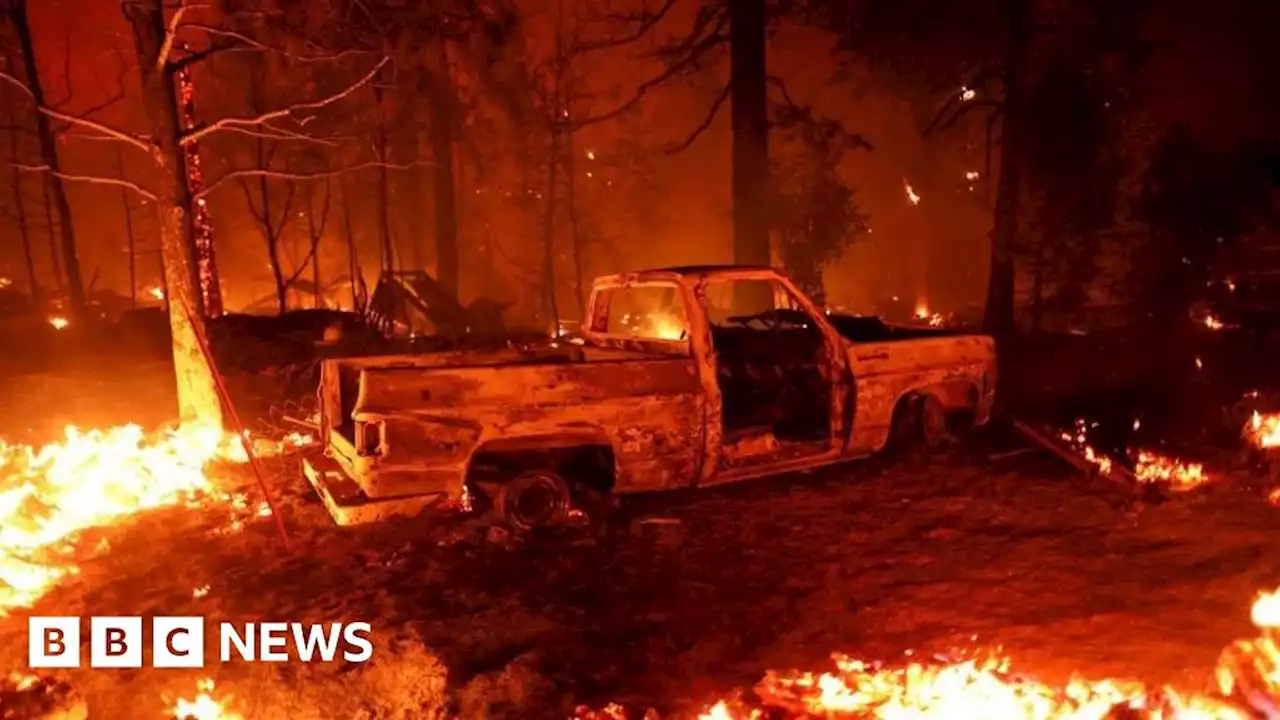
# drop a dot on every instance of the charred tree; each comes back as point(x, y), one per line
point(197, 390)
point(998, 318)
point(17, 11)
point(24, 231)
point(750, 120)
point(130, 238)
point(442, 101)
point(204, 249)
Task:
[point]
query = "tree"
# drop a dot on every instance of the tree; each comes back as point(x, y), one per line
point(16, 11)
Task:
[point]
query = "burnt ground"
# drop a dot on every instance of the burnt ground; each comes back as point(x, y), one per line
point(872, 559)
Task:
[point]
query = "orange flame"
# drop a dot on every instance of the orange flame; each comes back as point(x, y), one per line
point(204, 706)
point(1263, 431)
point(96, 478)
point(58, 322)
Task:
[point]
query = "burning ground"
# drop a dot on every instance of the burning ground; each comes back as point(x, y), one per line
point(681, 600)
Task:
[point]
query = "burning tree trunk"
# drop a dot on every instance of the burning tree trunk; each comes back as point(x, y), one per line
point(442, 101)
point(998, 317)
point(206, 266)
point(17, 10)
point(749, 112)
point(197, 391)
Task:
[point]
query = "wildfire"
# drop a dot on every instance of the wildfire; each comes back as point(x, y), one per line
point(922, 314)
point(1154, 467)
point(94, 478)
point(981, 689)
point(58, 322)
point(1149, 466)
point(204, 706)
point(1263, 430)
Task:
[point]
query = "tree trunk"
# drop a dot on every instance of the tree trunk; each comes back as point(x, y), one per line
point(998, 316)
point(24, 231)
point(750, 122)
point(128, 231)
point(549, 222)
point(51, 225)
point(384, 212)
point(198, 401)
point(203, 248)
point(49, 156)
point(353, 257)
point(442, 100)
point(575, 238)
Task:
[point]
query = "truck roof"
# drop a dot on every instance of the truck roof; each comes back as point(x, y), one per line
point(684, 271)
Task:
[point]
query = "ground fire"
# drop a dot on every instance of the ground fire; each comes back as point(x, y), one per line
point(93, 478)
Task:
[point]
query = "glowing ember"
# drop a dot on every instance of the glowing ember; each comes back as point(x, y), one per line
point(204, 706)
point(971, 689)
point(1212, 322)
point(967, 94)
point(155, 292)
point(922, 314)
point(58, 322)
point(1153, 467)
point(1149, 466)
point(5, 282)
point(1263, 430)
point(95, 478)
point(912, 197)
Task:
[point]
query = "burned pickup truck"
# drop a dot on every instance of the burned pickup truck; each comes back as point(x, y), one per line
point(682, 377)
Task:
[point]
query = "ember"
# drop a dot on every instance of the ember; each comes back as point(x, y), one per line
point(1248, 676)
point(204, 706)
point(59, 323)
point(1263, 430)
point(1148, 466)
point(95, 478)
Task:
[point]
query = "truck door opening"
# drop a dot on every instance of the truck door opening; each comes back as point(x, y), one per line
point(769, 362)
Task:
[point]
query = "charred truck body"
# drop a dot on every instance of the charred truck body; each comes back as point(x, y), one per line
point(684, 377)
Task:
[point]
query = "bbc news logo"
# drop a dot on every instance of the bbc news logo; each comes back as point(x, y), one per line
point(179, 642)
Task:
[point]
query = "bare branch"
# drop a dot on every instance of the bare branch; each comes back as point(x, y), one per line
point(706, 123)
point(952, 112)
point(646, 20)
point(270, 132)
point(290, 112)
point(82, 122)
point(91, 179)
point(284, 175)
point(170, 35)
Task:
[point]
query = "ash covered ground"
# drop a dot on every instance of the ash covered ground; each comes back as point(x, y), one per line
point(674, 601)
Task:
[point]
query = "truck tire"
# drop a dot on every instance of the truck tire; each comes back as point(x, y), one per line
point(919, 425)
point(535, 499)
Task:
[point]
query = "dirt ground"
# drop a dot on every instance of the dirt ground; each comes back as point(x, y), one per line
point(871, 559)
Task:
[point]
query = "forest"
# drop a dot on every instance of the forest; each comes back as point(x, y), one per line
point(1008, 154)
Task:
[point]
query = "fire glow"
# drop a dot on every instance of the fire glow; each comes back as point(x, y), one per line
point(48, 495)
point(1263, 430)
point(1248, 679)
point(1148, 466)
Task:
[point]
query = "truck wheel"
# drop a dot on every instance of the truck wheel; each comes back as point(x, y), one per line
point(932, 419)
point(535, 499)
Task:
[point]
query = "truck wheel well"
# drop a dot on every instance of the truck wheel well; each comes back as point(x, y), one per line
point(589, 466)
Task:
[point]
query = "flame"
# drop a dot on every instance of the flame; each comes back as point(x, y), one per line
point(1154, 467)
point(1263, 431)
point(204, 706)
point(58, 322)
point(98, 477)
point(912, 197)
point(980, 689)
point(663, 326)
point(5, 282)
point(156, 292)
point(1212, 322)
point(922, 313)
point(1149, 466)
